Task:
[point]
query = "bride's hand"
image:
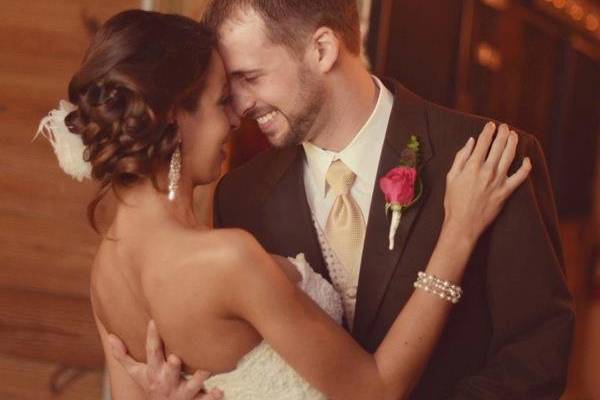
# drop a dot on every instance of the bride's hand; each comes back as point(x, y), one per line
point(477, 185)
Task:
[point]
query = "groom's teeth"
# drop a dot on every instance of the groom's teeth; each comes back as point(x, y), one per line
point(266, 118)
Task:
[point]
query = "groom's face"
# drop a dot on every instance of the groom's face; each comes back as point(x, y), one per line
point(269, 83)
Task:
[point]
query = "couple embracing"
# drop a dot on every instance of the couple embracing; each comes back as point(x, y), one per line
point(383, 248)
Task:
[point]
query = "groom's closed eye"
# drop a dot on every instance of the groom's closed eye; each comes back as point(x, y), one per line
point(245, 75)
point(251, 79)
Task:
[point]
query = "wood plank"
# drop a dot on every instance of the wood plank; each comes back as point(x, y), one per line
point(194, 8)
point(30, 380)
point(41, 326)
point(50, 272)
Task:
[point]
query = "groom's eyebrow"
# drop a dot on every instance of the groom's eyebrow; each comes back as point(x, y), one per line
point(241, 72)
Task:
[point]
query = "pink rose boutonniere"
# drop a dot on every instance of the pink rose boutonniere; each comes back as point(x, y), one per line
point(402, 186)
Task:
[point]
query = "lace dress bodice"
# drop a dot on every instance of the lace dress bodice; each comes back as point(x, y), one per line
point(262, 373)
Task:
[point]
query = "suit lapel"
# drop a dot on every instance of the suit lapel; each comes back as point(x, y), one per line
point(287, 226)
point(378, 262)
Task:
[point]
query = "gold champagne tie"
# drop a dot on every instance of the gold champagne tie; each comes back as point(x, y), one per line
point(345, 229)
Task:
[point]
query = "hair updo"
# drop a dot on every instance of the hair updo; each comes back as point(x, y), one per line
point(140, 67)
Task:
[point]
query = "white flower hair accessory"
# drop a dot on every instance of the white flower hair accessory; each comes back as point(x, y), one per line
point(68, 147)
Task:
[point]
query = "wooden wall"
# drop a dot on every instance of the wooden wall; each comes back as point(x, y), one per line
point(48, 342)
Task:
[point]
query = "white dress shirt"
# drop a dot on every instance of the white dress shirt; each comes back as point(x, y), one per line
point(361, 156)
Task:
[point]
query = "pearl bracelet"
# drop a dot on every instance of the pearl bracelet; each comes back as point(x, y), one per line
point(444, 289)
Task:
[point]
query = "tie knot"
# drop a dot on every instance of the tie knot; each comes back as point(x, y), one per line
point(340, 178)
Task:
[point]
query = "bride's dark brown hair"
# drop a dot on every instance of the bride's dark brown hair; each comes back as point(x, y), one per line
point(140, 67)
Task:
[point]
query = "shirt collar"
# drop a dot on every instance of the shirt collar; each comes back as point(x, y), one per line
point(363, 152)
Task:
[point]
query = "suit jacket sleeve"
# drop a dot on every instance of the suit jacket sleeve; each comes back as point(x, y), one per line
point(529, 302)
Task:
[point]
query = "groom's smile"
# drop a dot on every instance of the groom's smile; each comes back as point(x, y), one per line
point(270, 122)
point(264, 120)
point(274, 125)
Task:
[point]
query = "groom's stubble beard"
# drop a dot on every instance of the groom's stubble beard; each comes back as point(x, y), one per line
point(310, 100)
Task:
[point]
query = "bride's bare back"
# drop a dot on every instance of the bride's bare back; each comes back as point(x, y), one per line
point(143, 255)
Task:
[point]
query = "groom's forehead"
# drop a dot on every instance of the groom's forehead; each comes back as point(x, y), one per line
point(245, 55)
point(240, 59)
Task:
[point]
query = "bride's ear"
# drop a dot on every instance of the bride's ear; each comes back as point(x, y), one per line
point(326, 48)
point(174, 119)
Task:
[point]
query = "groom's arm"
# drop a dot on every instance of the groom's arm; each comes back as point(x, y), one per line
point(160, 378)
point(529, 302)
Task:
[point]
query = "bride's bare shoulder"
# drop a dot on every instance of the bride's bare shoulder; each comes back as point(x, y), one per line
point(226, 246)
point(209, 255)
point(204, 273)
point(236, 252)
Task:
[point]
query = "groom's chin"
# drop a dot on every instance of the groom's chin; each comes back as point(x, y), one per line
point(282, 139)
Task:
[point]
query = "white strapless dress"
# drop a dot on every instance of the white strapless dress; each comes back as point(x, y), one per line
point(262, 374)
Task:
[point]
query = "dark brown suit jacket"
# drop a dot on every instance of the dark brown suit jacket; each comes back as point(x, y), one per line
point(510, 335)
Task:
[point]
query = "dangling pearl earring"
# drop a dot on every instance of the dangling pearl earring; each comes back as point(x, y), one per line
point(174, 173)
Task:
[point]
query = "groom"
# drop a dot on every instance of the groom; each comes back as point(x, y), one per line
point(296, 69)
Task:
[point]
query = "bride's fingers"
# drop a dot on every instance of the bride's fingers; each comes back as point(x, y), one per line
point(516, 179)
point(461, 158)
point(498, 147)
point(483, 144)
point(155, 356)
point(508, 155)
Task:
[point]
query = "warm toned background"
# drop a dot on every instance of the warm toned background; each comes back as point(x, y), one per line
point(532, 63)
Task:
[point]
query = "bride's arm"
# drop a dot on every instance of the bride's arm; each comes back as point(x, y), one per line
point(321, 351)
point(257, 291)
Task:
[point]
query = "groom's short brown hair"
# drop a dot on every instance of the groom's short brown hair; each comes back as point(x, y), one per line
point(289, 22)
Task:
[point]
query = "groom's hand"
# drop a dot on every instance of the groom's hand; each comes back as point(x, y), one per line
point(161, 378)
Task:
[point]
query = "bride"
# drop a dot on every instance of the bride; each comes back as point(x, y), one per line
point(150, 111)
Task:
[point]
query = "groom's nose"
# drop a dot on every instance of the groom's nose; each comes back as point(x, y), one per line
point(242, 100)
point(243, 104)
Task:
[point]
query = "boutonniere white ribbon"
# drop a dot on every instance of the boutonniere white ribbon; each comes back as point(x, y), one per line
point(402, 186)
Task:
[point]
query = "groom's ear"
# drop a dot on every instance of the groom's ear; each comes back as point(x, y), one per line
point(326, 49)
